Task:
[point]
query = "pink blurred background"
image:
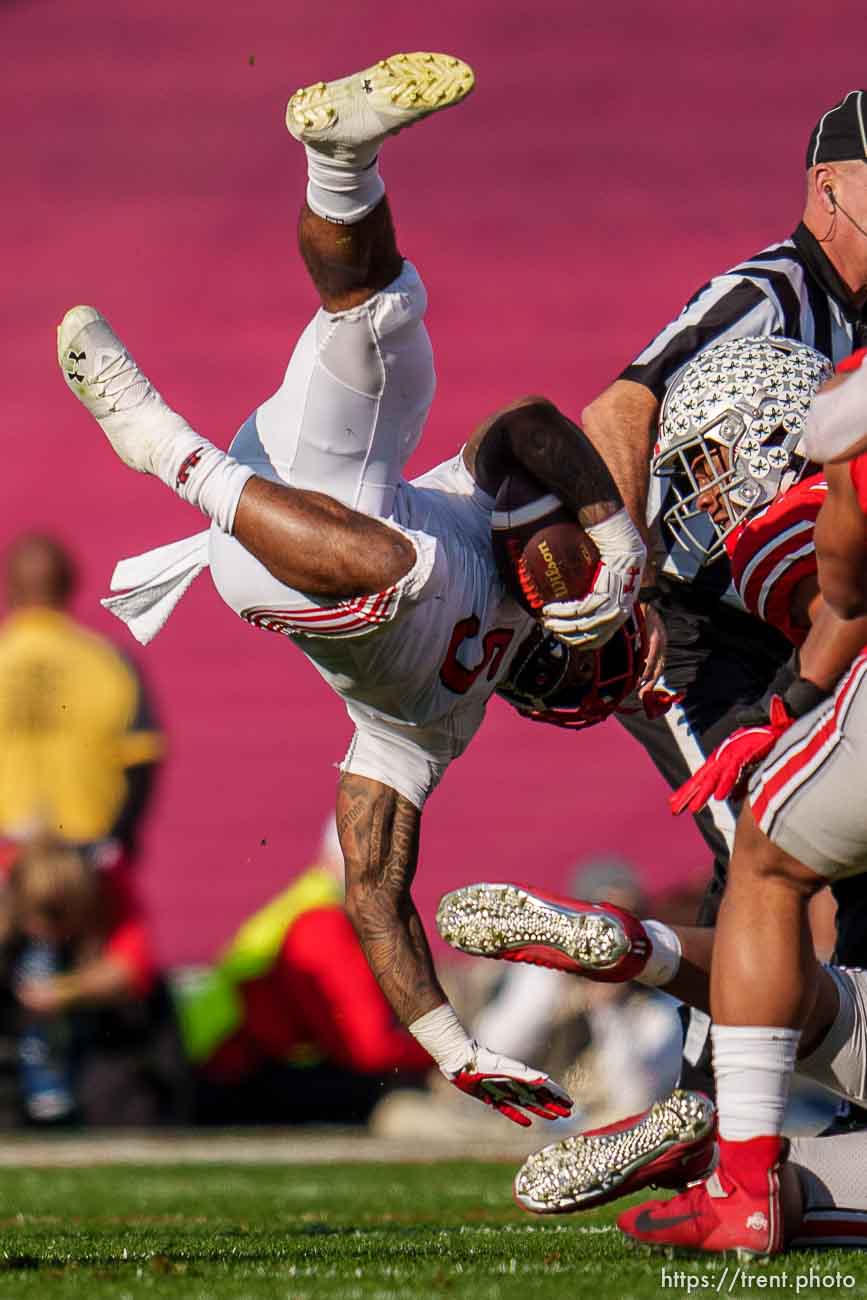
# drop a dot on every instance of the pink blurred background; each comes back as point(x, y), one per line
point(613, 157)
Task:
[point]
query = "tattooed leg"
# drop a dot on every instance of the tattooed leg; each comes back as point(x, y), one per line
point(379, 831)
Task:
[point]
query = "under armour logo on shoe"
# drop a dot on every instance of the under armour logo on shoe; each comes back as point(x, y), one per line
point(72, 360)
point(367, 86)
point(758, 1222)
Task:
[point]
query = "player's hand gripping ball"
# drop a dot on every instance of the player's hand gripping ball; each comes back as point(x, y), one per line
point(581, 585)
point(543, 554)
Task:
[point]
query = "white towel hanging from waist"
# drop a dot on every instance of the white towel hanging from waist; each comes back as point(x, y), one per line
point(153, 583)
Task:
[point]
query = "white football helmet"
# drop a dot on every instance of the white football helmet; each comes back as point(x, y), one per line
point(748, 397)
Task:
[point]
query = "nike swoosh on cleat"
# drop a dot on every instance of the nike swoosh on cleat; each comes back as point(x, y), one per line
point(646, 1222)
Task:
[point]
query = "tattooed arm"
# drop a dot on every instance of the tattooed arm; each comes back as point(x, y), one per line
point(379, 832)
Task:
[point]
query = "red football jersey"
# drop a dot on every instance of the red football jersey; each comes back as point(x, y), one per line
point(773, 552)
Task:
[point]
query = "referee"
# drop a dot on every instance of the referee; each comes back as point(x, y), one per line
point(811, 287)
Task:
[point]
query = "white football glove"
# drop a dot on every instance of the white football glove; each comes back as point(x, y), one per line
point(510, 1087)
point(593, 620)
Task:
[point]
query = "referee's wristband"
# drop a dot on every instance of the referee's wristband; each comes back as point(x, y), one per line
point(646, 595)
point(802, 696)
point(798, 693)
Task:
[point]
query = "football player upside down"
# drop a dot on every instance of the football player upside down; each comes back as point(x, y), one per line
point(389, 587)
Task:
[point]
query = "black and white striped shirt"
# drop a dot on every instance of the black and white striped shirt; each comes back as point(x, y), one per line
point(790, 290)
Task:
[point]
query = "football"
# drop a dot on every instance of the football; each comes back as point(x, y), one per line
point(542, 552)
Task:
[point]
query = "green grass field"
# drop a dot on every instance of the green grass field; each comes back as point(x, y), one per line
point(398, 1232)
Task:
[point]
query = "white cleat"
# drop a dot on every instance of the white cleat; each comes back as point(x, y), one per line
point(348, 118)
point(104, 377)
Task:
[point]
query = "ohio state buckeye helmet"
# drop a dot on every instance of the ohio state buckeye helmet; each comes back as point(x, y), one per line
point(568, 687)
point(741, 405)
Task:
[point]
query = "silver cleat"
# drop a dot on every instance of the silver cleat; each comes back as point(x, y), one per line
point(511, 923)
point(669, 1145)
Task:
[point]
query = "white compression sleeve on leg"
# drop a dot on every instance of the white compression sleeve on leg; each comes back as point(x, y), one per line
point(199, 472)
point(342, 192)
point(753, 1069)
point(213, 481)
point(186, 462)
point(442, 1034)
point(837, 420)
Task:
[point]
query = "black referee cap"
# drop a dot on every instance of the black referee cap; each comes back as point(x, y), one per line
point(840, 135)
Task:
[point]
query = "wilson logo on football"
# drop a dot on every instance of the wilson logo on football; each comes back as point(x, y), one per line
point(552, 571)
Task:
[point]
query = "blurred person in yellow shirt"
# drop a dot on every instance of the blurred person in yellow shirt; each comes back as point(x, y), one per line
point(78, 744)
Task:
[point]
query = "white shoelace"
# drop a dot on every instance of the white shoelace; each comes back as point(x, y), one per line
point(114, 382)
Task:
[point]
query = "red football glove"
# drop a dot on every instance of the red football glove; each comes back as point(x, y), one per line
point(726, 773)
point(657, 701)
point(507, 1085)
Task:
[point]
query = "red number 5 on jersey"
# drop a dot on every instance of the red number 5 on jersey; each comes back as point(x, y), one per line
point(453, 674)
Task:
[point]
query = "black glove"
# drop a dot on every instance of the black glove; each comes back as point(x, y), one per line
point(799, 695)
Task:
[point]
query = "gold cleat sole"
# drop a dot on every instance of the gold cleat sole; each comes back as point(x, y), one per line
point(401, 90)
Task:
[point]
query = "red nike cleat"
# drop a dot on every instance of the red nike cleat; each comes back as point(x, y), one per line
point(721, 1213)
point(516, 923)
point(668, 1145)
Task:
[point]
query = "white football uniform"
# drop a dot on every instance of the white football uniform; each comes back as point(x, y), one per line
point(417, 663)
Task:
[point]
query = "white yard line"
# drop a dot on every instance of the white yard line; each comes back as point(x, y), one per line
point(272, 1147)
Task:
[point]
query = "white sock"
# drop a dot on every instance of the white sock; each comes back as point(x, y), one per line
point(753, 1069)
point(200, 473)
point(665, 953)
point(442, 1034)
point(343, 192)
